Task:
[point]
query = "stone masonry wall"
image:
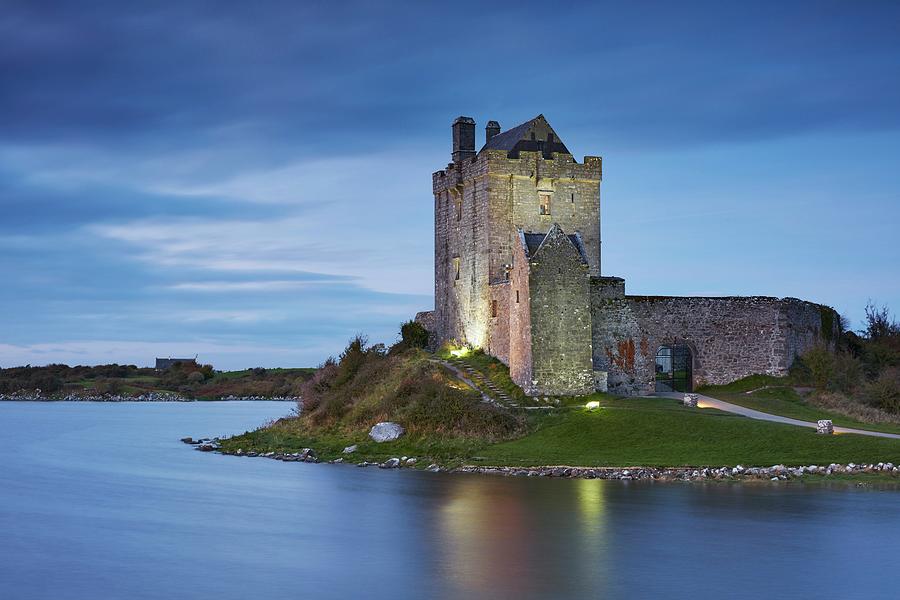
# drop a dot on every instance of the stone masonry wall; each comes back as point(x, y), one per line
point(560, 320)
point(498, 340)
point(729, 337)
point(495, 196)
point(519, 320)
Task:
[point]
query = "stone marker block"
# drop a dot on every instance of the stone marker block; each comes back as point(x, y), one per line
point(690, 400)
point(824, 426)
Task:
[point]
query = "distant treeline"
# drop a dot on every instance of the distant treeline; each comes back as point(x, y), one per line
point(187, 379)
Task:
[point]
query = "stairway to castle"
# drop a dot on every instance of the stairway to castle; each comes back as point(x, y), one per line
point(489, 390)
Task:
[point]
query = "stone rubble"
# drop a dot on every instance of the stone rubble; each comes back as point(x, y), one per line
point(735, 473)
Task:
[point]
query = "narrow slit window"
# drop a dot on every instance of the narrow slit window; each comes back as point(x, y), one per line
point(458, 202)
point(517, 296)
point(573, 198)
point(494, 309)
point(545, 203)
point(456, 268)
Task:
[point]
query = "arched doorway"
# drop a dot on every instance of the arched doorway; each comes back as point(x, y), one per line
point(674, 369)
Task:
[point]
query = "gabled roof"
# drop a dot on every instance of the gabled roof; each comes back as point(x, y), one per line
point(520, 138)
point(532, 242)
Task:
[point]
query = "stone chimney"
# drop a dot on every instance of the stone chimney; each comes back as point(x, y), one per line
point(463, 138)
point(490, 130)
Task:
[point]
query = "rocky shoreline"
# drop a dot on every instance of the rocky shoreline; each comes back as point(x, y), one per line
point(735, 473)
point(148, 397)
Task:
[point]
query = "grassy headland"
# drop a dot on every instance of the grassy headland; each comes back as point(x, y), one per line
point(447, 423)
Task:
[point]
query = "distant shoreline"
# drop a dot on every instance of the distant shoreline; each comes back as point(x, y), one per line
point(142, 398)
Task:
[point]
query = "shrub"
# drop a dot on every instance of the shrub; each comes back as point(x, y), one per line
point(884, 392)
point(413, 335)
point(847, 373)
point(819, 363)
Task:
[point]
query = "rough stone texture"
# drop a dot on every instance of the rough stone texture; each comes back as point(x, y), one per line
point(560, 327)
point(824, 426)
point(480, 202)
point(729, 337)
point(559, 287)
point(690, 400)
point(498, 340)
point(386, 431)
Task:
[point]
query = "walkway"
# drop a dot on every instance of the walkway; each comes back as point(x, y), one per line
point(709, 402)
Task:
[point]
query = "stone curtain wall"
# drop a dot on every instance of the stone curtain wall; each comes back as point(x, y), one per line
point(560, 320)
point(729, 337)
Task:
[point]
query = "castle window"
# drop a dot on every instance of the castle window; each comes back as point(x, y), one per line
point(517, 296)
point(545, 203)
point(459, 209)
point(573, 197)
point(456, 268)
point(494, 309)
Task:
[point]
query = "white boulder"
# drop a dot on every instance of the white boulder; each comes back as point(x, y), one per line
point(386, 431)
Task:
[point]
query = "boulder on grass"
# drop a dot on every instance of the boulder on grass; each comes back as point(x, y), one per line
point(690, 400)
point(386, 432)
point(350, 449)
point(824, 426)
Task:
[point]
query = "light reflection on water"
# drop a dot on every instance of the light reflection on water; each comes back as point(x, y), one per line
point(102, 501)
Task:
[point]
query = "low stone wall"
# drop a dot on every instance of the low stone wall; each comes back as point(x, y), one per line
point(729, 337)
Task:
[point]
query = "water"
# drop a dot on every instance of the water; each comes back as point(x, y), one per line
point(101, 501)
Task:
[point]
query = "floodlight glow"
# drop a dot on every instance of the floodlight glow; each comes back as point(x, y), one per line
point(592, 405)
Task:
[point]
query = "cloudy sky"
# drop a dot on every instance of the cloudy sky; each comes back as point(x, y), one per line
point(250, 181)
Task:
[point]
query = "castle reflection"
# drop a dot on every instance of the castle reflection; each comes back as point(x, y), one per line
point(515, 535)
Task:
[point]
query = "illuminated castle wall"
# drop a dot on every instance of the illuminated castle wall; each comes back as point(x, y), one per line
point(517, 273)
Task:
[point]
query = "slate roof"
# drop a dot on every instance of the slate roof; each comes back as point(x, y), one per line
point(533, 241)
point(506, 140)
point(518, 138)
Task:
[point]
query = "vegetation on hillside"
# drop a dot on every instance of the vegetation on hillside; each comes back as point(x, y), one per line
point(447, 423)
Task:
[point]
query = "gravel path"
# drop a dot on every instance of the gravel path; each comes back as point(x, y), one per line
point(709, 402)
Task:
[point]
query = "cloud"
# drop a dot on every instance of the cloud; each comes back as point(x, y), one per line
point(282, 285)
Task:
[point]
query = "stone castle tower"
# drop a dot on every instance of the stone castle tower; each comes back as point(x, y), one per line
point(517, 273)
point(517, 238)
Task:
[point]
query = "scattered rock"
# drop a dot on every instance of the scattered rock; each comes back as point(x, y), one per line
point(433, 468)
point(824, 426)
point(411, 461)
point(690, 400)
point(391, 463)
point(350, 449)
point(187, 440)
point(386, 431)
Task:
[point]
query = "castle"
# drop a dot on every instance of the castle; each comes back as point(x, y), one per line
point(517, 273)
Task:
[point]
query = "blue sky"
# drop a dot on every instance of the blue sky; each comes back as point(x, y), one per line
point(250, 182)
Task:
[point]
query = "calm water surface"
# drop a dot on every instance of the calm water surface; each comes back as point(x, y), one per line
point(101, 501)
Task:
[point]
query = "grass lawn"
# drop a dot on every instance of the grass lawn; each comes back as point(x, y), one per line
point(625, 432)
point(786, 402)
